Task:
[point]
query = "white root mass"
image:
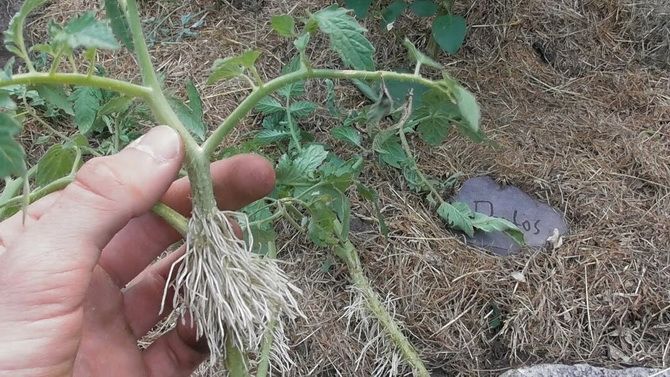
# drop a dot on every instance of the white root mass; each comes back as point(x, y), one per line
point(230, 293)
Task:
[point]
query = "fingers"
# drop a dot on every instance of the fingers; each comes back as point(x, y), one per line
point(175, 354)
point(62, 248)
point(142, 300)
point(238, 181)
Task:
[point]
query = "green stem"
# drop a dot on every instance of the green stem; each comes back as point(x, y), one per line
point(258, 93)
point(291, 126)
point(37, 78)
point(41, 192)
point(172, 217)
point(347, 252)
point(196, 162)
point(268, 336)
point(408, 151)
point(235, 361)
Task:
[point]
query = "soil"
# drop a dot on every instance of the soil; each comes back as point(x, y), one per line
point(576, 97)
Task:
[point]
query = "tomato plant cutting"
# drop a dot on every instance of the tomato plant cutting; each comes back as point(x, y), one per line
point(234, 289)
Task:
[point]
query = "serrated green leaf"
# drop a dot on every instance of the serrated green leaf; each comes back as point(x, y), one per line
point(86, 31)
point(119, 24)
point(263, 233)
point(347, 134)
point(321, 228)
point(302, 109)
point(392, 153)
point(6, 102)
point(12, 156)
point(233, 66)
point(469, 109)
point(310, 158)
point(192, 121)
point(271, 136)
point(434, 130)
point(423, 8)
point(115, 105)
point(295, 89)
point(330, 98)
point(369, 194)
point(224, 69)
point(86, 105)
point(194, 100)
point(346, 37)
point(286, 171)
point(301, 42)
point(284, 25)
point(268, 105)
point(56, 97)
point(493, 224)
point(392, 12)
point(457, 216)
point(449, 32)
point(247, 59)
point(56, 163)
point(13, 36)
point(360, 7)
point(419, 56)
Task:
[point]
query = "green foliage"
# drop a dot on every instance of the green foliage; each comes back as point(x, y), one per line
point(360, 7)
point(234, 66)
point(11, 152)
point(86, 104)
point(13, 36)
point(191, 115)
point(83, 31)
point(56, 163)
point(313, 182)
point(346, 37)
point(284, 25)
point(118, 23)
point(449, 32)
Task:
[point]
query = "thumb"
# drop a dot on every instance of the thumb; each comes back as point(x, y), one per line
point(106, 194)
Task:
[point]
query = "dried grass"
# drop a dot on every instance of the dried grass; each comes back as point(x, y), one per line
point(576, 94)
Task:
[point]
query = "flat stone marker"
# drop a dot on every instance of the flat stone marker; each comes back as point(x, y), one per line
point(536, 219)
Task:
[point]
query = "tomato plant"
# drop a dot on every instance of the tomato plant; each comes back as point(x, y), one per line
point(234, 290)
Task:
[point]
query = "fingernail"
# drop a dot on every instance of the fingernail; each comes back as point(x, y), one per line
point(162, 143)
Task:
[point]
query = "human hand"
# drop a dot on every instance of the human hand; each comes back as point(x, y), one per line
point(76, 286)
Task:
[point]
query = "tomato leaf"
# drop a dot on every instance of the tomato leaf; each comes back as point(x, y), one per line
point(347, 134)
point(419, 56)
point(56, 163)
point(492, 224)
point(86, 31)
point(86, 105)
point(302, 109)
point(268, 105)
point(346, 37)
point(12, 155)
point(119, 24)
point(457, 216)
point(14, 33)
point(284, 25)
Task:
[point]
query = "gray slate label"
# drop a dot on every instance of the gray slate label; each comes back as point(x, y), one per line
point(537, 220)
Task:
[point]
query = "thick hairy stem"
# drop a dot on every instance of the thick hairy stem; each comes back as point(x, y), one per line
point(197, 162)
point(37, 78)
point(348, 254)
point(260, 92)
